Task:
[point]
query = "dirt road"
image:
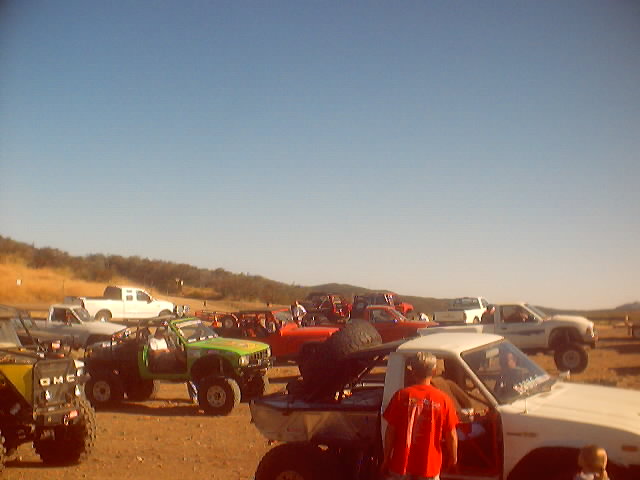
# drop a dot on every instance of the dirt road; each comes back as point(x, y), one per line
point(168, 438)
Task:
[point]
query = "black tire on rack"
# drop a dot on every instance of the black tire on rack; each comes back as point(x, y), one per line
point(325, 366)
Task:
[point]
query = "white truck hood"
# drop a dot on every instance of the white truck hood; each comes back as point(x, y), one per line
point(573, 415)
point(606, 406)
point(582, 321)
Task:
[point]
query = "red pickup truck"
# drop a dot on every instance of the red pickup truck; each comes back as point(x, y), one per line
point(287, 340)
point(391, 324)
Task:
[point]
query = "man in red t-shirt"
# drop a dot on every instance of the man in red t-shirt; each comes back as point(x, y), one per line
point(421, 420)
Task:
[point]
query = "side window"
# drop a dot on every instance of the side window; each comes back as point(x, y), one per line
point(510, 314)
point(142, 297)
point(382, 316)
point(58, 315)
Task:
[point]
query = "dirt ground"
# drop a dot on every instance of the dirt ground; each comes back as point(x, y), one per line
point(169, 438)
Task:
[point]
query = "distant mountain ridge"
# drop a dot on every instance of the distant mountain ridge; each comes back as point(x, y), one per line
point(629, 306)
point(215, 284)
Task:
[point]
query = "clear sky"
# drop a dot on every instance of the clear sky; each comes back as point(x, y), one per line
point(433, 148)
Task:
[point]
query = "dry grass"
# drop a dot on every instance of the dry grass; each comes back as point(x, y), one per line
point(41, 287)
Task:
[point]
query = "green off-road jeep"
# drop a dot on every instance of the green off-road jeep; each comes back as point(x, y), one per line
point(42, 400)
point(218, 371)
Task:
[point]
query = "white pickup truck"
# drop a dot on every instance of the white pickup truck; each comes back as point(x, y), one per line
point(70, 323)
point(463, 310)
point(533, 331)
point(125, 303)
point(531, 431)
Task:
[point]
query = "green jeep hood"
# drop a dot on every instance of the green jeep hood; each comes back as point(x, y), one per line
point(241, 347)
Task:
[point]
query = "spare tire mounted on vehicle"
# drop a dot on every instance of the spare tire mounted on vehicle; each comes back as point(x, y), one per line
point(327, 366)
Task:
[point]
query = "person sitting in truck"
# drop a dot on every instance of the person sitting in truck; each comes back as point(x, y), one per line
point(518, 315)
point(510, 376)
point(161, 357)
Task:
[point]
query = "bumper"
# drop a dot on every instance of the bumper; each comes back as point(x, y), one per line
point(57, 416)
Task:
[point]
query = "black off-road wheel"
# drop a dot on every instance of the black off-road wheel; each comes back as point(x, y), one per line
point(218, 395)
point(571, 357)
point(104, 389)
point(292, 461)
point(103, 316)
point(70, 443)
point(140, 390)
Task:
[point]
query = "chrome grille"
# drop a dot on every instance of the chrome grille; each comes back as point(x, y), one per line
point(54, 382)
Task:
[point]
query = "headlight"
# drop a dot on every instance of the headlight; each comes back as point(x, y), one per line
point(244, 360)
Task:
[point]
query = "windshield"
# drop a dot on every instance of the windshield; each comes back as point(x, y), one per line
point(537, 311)
point(83, 315)
point(465, 304)
point(507, 372)
point(8, 335)
point(194, 330)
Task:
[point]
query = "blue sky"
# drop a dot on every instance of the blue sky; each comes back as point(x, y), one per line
point(432, 148)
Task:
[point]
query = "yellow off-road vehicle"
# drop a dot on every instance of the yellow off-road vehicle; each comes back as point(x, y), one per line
point(41, 400)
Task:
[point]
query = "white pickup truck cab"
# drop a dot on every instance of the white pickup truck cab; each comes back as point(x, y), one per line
point(126, 303)
point(463, 310)
point(67, 322)
point(532, 330)
point(517, 422)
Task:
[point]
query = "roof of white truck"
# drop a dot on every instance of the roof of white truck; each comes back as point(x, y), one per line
point(449, 342)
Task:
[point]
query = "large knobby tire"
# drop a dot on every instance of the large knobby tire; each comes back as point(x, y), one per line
point(290, 461)
point(139, 390)
point(324, 370)
point(218, 395)
point(571, 357)
point(103, 389)
point(70, 443)
point(103, 316)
